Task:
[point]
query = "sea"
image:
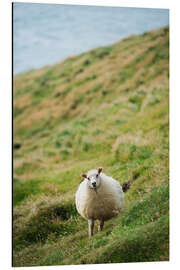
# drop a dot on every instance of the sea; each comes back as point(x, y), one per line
point(44, 34)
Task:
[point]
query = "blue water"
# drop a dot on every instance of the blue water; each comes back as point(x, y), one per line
point(44, 34)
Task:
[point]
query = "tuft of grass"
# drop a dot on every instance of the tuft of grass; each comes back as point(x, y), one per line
point(87, 62)
point(17, 111)
point(58, 144)
point(66, 91)
point(64, 153)
point(26, 167)
point(126, 73)
point(137, 100)
point(87, 146)
point(102, 52)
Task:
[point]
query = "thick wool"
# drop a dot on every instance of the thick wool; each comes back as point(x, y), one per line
point(103, 203)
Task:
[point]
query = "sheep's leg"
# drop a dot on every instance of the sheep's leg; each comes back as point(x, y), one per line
point(101, 224)
point(91, 227)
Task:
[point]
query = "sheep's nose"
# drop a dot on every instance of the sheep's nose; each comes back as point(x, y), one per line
point(94, 184)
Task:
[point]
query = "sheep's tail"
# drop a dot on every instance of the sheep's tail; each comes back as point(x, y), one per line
point(126, 186)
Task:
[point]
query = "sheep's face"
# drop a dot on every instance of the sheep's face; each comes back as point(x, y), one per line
point(93, 178)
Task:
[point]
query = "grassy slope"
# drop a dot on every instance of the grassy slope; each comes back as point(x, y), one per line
point(107, 107)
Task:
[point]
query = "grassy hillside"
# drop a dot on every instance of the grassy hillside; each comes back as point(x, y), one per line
point(107, 107)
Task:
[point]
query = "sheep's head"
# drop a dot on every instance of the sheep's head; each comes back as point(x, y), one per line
point(93, 178)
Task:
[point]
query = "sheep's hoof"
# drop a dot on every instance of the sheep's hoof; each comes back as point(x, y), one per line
point(90, 234)
point(101, 225)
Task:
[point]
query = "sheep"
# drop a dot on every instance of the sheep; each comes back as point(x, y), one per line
point(98, 197)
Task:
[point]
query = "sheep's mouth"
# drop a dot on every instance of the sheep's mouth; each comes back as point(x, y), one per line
point(95, 189)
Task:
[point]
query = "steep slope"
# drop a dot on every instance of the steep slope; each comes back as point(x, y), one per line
point(107, 107)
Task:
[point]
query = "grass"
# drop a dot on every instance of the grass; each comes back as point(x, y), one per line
point(23, 190)
point(108, 107)
point(49, 220)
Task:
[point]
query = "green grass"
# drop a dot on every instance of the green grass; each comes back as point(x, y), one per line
point(52, 220)
point(140, 235)
point(23, 190)
point(108, 107)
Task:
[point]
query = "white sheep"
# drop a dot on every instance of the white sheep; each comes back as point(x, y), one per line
point(99, 197)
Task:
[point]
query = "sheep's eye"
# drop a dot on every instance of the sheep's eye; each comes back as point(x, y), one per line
point(96, 175)
point(88, 178)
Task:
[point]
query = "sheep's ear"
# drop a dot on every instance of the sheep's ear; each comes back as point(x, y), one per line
point(99, 170)
point(84, 175)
